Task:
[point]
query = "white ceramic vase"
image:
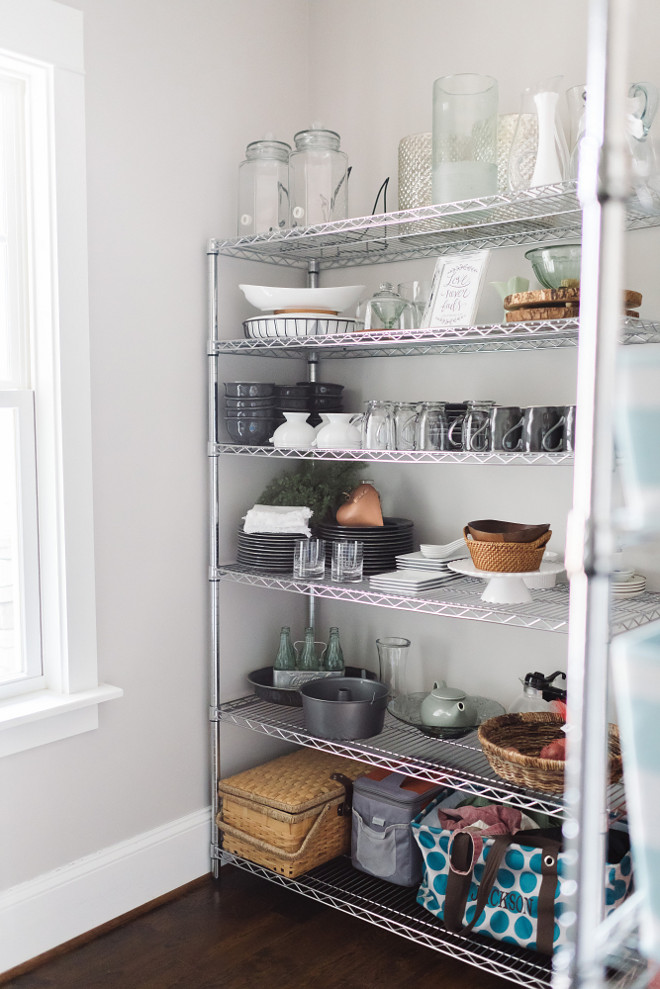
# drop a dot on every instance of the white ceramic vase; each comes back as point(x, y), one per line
point(339, 433)
point(295, 433)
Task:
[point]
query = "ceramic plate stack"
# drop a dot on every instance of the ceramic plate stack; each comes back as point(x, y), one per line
point(627, 584)
point(419, 562)
point(409, 581)
point(382, 544)
point(272, 552)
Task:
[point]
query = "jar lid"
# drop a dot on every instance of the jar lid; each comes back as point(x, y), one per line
point(268, 149)
point(317, 137)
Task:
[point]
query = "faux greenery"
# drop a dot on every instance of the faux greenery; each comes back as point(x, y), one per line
point(319, 486)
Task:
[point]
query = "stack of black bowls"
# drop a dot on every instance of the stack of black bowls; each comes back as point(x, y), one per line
point(314, 397)
point(250, 412)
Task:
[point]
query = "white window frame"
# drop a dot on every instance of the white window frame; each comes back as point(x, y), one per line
point(51, 35)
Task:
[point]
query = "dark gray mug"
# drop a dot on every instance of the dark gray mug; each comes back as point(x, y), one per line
point(506, 428)
point(543, 428)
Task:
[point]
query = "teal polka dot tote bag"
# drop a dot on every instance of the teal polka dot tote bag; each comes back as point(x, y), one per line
point(509, 887)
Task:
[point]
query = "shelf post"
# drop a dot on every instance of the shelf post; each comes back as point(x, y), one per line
point(603, 188)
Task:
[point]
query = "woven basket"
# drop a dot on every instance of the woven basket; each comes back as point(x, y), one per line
point(284, 814)
point(507, 557)
point(329, 836)
point(528, 733)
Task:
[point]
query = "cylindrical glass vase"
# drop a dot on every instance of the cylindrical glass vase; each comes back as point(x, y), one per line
point(318, 178)
point(392, 660)
point(464, 137)
point(263, 188)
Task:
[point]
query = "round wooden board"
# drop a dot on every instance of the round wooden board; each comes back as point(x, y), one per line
point(551, 297)
point(542, 297)
point(560, 312)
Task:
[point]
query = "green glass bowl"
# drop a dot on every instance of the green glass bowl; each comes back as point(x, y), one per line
point(557, 266)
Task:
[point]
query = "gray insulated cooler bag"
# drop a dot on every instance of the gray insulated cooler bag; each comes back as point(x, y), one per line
point(382, 842)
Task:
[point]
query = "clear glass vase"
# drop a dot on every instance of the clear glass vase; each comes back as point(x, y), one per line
point(392, 662)
point(464, 137)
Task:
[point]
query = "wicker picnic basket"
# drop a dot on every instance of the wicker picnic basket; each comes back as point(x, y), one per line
point(511, 743)
point(289, 814)
point(507, 557)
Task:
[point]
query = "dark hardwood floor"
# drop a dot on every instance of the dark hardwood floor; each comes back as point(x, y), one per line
point(246, 933)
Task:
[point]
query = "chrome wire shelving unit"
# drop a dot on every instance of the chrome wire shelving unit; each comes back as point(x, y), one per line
point(545, 215)
point(548, 610)
point(533, 216)
point(550, 334)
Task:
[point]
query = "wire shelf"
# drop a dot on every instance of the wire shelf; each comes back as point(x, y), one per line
point(548, 610)
point(533, 216)
point(498, 457)
point(394, 909)
point(547, 334)
point(459, 764)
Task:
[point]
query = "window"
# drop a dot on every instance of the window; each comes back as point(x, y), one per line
point(48, 668)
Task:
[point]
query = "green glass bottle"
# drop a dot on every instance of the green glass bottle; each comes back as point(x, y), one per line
point(333, 657)
point(307, 659)
point(286, 654)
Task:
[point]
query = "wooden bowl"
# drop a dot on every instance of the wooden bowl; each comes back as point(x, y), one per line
point(495, 531)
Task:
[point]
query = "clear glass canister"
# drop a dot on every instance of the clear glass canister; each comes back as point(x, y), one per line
point(318, 178)
point(263, 188)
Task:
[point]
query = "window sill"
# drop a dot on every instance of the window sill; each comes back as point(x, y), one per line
point(44, 717)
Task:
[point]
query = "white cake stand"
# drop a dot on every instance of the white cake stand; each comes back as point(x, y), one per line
point(503, 588)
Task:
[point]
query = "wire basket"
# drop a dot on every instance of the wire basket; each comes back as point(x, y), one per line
point(507, 557)
point(511, 743)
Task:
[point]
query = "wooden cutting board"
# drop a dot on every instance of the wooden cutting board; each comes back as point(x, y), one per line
point(554, 298)
point(557, 312)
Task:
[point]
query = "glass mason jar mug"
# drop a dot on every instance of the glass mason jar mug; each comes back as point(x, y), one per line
point(318, 178)
point(431, 430)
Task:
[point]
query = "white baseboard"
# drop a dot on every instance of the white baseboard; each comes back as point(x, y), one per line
point(45, 912)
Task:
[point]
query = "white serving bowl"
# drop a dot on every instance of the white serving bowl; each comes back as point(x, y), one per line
point(275, 298)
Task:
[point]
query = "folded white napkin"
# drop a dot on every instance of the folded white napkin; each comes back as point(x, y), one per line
point(278, 518)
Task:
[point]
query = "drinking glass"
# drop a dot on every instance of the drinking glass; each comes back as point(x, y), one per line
point(392, 660)
point(347, 561)
point(464, 137)
point(309, 559)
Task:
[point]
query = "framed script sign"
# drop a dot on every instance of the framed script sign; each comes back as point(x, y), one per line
point(456, 288)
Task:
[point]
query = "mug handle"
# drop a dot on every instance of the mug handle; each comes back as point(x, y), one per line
point(519, 444)
point(457, 421)
point(480, 431)
point(553, 449)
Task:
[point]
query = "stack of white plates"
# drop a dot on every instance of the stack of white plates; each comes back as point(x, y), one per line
point(627, 584)
point(409, 581)
point(417, 561)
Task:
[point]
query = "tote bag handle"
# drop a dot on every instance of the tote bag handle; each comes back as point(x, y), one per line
point(458, 886)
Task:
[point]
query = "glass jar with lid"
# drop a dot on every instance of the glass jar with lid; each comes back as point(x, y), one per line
point(318, 178)
point(263, 188)
point(387, 310)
